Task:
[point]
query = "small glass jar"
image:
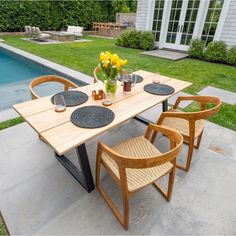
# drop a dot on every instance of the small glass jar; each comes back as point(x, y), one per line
point(60, 104)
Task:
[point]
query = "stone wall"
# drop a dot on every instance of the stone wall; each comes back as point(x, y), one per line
point(126, 18)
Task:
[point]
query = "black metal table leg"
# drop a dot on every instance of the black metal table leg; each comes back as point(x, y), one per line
point(165, 105)
point(84, 176)
point(143, 120)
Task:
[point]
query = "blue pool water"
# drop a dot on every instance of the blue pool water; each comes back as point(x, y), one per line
point(14, 69)
point(16, 72)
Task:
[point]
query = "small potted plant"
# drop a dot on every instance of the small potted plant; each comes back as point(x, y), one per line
point(111, 65)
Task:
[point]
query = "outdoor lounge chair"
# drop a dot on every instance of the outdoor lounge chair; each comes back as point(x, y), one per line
point(189, 124)
point(27, 30)
point(38, 34)
point(137, 163)
point(49, 78)
point(76, 30)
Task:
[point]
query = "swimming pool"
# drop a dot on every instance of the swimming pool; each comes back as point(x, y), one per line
point(16, 72)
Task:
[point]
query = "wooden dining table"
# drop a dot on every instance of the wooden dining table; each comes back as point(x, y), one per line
point(62, 135)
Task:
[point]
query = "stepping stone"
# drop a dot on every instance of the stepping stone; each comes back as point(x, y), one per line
point(166, 54)
point(225, 96)
point(8, 114)
point(152, 114)
point(183, 104)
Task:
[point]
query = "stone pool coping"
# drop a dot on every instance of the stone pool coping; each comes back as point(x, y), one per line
point(52, 65)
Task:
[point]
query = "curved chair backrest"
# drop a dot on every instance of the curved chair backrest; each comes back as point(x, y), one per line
point(96, 70)
point(176, 141)
point(49, 78)
point(204, 113)
point(27, 30)
point(37, 31)
point(33, 31)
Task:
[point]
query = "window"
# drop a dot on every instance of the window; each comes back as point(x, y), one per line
point(212, 18)
point(174, 21)
point(189, 22)
point(157, 19)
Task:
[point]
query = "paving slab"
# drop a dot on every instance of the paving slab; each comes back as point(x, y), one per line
point(224, 95)
point(166, 54)
point(50, 41)
point(8, 114)
point(152, 114)
point(39, 197)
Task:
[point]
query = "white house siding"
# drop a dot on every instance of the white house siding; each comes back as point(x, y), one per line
point(142, 15)
point(228, 33)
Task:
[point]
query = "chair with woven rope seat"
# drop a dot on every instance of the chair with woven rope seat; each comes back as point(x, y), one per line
point(137, 163)
point(49, 78)
point(189, 124)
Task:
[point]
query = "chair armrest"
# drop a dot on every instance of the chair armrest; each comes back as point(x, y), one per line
point(201, 99)
point(165, 131)
point(103, 148)
point(179, 114)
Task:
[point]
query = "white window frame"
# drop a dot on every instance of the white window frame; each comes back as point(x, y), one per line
point(221, 21)
point(200, 20)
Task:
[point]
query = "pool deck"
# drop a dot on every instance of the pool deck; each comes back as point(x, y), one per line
point(39, 197)
point(8, 114)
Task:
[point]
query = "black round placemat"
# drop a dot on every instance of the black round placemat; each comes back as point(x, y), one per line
point(92, 117)
point(139, 78)
point(159, 89)
point(72, 98)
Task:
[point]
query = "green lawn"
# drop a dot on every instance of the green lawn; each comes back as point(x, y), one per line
point(12, 122)
point(84, 57)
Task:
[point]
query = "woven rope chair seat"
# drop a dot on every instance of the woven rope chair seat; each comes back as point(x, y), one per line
point(182, 125)
point(138, 147)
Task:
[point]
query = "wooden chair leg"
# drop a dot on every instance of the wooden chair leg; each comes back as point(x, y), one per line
point(125, 220)
point(189, 157)
point(98, 168)
point(199, 139)
point(167, 195)
point(125, 209)
point(171, 184)
point(190, 154)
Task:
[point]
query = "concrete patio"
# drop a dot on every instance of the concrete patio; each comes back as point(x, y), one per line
point(38, 196)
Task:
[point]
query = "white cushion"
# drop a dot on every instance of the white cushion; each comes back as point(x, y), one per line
point(77, 30)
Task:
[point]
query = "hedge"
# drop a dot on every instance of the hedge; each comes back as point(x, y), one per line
point(215, 51)
point(136, 39)
point(57, 15)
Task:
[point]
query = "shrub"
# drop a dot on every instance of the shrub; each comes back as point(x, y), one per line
point(216, 51)
point(147, 41)
point(136, 39)
point(231, 56)
point(196, 48)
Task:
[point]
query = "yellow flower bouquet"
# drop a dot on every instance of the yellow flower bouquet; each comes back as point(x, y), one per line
point(111, 65)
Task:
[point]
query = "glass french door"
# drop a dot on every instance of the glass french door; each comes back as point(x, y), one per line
point(182, 19)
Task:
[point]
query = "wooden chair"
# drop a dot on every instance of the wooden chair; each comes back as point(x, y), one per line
point(49, 78)
point(96, 70)
point(137, 163)
point(189, 124)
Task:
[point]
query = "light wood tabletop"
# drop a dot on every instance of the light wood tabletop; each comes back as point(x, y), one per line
point(57, 129)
